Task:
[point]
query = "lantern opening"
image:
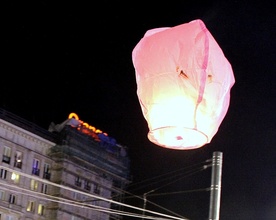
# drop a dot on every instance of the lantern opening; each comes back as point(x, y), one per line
point(178, 138)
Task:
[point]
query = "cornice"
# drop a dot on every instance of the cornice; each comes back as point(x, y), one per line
point(12, 132)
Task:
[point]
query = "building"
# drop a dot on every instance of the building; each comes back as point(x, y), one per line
point(72, 171)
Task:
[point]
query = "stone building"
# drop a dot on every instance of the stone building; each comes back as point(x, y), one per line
point(72, 171)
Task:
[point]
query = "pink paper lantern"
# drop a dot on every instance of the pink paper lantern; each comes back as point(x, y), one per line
point(183, 84)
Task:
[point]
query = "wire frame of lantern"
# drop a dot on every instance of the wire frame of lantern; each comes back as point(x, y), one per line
point(183, 84)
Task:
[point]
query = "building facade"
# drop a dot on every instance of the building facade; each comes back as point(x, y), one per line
point(70, 172)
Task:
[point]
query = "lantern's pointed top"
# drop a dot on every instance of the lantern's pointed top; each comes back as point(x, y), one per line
point(183, 84)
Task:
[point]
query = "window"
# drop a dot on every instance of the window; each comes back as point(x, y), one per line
point(77, 196)
point(18, 159)
point(87, 185)
point(78, 181)
point(35, 169)
point(75, 218)
point(10, 217)
point(30, 207)
point(34, 185)
point(46, 171)
point(2, 195)
point(15, 177)
point(6, 155)
point(40, 209)
point(12, 199)
point(44, 188)
point(3, 173)
point(96, 188)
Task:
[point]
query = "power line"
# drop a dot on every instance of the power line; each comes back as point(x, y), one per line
point(164, 177)
point(174, 181)
point(179, 192)
point(74, 203)
point(196, 168)
point(112, 201)
point(87, 194)
point(139, 197)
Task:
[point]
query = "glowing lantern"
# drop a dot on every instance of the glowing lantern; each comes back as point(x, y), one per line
point(183, 84)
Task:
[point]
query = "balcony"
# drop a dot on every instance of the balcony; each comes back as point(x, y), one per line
point(18, 164)
point(78, 183)
point(46, 176)
point(97, 191)
point(36, 171)
point(6, 159)
point(87, 187)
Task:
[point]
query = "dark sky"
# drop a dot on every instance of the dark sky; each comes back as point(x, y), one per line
point(59, 58)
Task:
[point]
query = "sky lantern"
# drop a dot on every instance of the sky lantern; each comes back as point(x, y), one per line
point(183, 84)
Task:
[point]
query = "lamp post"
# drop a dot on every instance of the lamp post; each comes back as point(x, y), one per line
point(215, 189)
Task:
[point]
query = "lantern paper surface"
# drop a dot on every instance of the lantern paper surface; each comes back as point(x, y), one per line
point(183, 84)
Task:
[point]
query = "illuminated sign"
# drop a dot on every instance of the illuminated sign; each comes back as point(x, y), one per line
point(84, 124)
point(95, 133)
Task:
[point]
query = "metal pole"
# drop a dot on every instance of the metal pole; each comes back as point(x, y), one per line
point(215, 190)
point(145, 202)
point(144, 206)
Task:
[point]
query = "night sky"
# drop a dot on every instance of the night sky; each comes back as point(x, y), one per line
point(59, 58)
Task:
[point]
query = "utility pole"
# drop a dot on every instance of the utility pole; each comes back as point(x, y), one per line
point(145, 202)
point(215, 190)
